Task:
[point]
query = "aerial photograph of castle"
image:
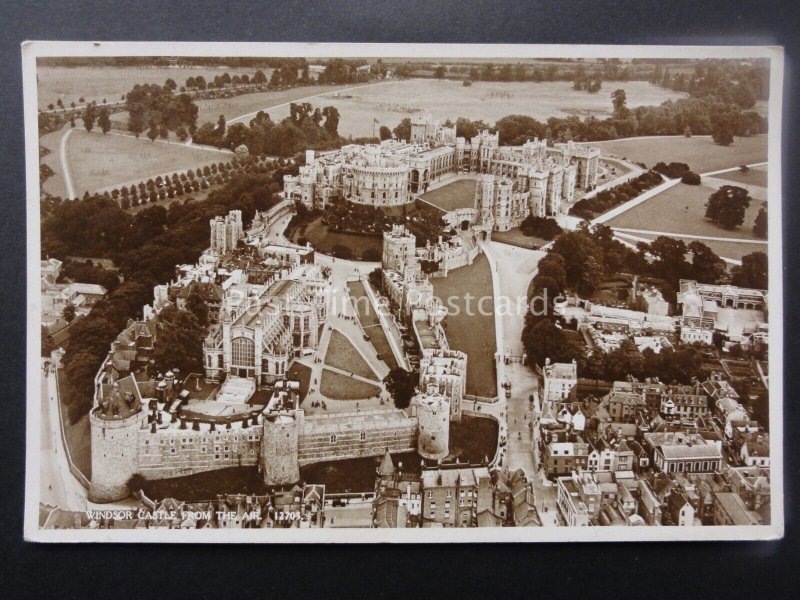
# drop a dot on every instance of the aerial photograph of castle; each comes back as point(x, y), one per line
point(361, 292)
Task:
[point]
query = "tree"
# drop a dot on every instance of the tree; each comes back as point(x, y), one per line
point(542, 339)
point(170, 84)
point(152, 133)
point(89, 117)
point(68, 314)
point(104, 121)
point(196, 304)
point(331, 124)
point(753, 272)
point(619, 101)
point(403, 130)
point(691, 178)
point(402, 385)
point(439, 72)
point(707, 266)
point(727, 206)
point(385, 133)
point(760, 226)
point(47, 342)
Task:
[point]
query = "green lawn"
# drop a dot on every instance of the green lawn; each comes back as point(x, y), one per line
point(343, 355)
point(756, 176)
point(324, 240)
point(98, 161)
point(699, 152)
point(341, 387)
point(515, 237)
point(371, 323)
point(681, 209)
point(467, 329)
point(459, 194)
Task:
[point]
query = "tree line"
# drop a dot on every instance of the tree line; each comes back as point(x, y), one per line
point(305, 127)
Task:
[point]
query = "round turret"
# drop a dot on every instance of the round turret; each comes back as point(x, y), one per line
point(115, 426)
point(433, 415)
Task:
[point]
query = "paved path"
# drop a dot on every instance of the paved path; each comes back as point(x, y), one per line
point(690, 236)
point(65, 166)
point(57, 485)
point(186, 144)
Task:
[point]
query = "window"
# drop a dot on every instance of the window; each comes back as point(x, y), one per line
point(333, 438)
point(243, 352)
point(363, 435)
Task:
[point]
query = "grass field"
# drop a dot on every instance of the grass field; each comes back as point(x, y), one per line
point(95, 83)
point(681, 209)
point(391, 102)
point(341, 387)
point(699, 152)
point(459, 194)
point(98, 161)
point(515, 237)
point(371, 323)
point(755, 176)
point(467, 329)
point(323, 240)
point(343, 355)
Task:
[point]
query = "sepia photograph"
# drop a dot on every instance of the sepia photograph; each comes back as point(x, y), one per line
point(286, 292)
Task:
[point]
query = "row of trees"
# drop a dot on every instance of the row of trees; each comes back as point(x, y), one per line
point(164, 238)
point(605, 200)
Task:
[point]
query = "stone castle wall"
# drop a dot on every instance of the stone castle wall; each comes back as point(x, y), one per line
point(115, 454)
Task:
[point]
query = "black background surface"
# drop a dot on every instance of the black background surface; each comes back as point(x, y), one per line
point(533, 571)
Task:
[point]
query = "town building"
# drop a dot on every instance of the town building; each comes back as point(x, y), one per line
point(678, 452)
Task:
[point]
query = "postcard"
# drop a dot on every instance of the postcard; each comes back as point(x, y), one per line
point(403, 292)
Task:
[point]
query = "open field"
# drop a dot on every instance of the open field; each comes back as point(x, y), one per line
point(515, 237)
point(459, 194)
point(467, 292)
point(95, 83)
point(323, 240)
point(98, 161)
point(489, 101)
point(371, 323)
point(681, 209)
point(726, 249)
point(343, 355)
point(341, 387)
point(756, 176)
point(244, 104)
point(699, 152)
